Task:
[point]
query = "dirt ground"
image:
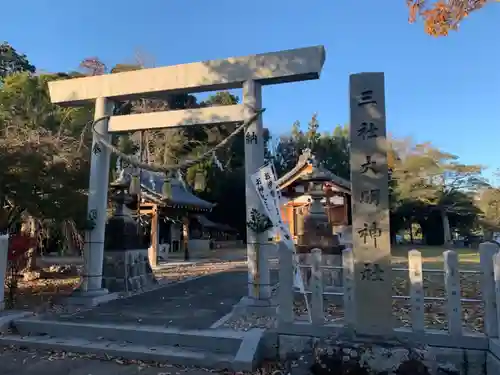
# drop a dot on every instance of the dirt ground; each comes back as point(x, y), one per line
point(42, 294)
point(47, 293)
point(30, 362)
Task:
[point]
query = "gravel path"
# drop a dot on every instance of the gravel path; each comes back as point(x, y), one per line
point(29, 362)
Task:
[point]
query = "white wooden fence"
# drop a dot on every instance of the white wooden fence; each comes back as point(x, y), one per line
point(455, 336)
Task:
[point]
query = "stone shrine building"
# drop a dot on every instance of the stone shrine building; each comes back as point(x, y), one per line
point(297, 200)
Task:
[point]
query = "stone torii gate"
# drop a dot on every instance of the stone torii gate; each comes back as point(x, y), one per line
point(249, 72)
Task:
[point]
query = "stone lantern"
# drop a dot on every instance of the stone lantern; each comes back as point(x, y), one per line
point(122, 232)
point(317, 231)
point(125, 264)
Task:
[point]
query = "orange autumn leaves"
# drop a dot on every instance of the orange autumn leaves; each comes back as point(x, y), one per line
point(442, 16)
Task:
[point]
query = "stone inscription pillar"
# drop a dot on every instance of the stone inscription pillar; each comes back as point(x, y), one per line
point(370, 205)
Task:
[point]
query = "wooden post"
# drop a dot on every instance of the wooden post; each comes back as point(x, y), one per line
point(346, 209)
point(452, 287)
point(416, 290)
point(153, 248)
point(185, 234)
point(370, 205)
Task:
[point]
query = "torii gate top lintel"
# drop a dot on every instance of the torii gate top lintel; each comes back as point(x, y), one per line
point(270, 68)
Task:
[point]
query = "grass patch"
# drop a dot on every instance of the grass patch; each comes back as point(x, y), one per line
point(432, 256)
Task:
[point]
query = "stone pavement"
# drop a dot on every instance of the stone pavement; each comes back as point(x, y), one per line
point(21, 362)
point(225, 254)
point(193, 304)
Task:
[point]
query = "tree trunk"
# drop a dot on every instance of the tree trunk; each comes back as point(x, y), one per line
point(68, 240)
point(446, 228)
point(28, 227)
point(425, 231)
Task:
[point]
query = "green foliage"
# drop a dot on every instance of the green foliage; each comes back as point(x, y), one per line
point(43, 155)
point(489, 204)
point(435, 178)
point(40, 181)
point(46, 153)
point(12, 62)
point(433, 188)
point(331, 149)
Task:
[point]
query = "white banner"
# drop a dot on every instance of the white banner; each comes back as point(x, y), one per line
point(265, 183)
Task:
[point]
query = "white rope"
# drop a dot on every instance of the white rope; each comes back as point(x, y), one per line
point(167, 168)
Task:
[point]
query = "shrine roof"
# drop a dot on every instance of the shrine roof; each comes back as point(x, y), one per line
point(227, 228)
point(207, 223)
point(152, 186)
point(204, 221)
point(307, 167)
point(152, 183)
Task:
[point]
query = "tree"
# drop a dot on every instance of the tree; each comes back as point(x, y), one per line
point(225, 187)
point(12, 62)
point(489, 203)
point(93, 66)
point(44, 159)
point(442, 16)
point(331, 149)
point(437, 186)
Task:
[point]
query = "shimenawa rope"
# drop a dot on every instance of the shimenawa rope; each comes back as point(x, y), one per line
point(168, 168)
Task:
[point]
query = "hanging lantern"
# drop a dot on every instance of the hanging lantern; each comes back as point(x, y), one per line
point(135, 185)
point(167, 188)
point(199, 181)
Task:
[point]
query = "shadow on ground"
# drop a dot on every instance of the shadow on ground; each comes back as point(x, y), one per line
point(193, 304)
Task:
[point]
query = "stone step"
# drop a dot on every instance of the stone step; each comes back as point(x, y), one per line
point(223, 341)
point(208, 347)
point(161, 353)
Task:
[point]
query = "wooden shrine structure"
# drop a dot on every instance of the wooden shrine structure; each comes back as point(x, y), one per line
point(171, 217)
point(296, 200)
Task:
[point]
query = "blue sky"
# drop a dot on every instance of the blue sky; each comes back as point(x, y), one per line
point(440, 90)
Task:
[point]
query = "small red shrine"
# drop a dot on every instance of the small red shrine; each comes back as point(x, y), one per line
point(294, 187)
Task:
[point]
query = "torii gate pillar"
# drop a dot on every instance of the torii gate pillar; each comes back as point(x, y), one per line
point(259, 287)
point(93, 251)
